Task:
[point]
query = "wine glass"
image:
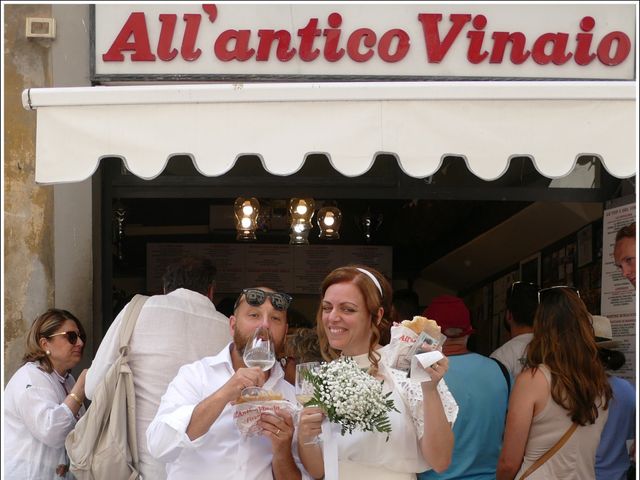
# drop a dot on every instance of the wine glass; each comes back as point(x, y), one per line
point(304, 388)
point(259, 350)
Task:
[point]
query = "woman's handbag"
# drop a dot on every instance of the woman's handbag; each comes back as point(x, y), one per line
point(103, 445)
point(549, 453)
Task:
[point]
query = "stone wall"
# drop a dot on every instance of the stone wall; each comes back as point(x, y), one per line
point(28, 208)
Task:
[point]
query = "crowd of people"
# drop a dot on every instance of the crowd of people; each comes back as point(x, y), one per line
point(545, 405)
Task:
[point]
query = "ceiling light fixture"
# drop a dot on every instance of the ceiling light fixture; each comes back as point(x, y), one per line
point(246, 211)
point(329, 220)
point(301, 211)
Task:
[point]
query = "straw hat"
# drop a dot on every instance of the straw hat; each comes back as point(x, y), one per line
point(602, 331)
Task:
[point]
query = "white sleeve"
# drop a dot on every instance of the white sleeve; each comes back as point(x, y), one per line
point(167, 433)
point(411, 393)
point(48, 420)
point(106, 356)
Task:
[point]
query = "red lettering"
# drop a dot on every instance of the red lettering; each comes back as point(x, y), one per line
point(240, 50)
point(364, 36)
point(211, 10)
point(267, 37)
point(437, 49)
point(384, 49)
point(622, 50)
point(518, 42)
point(136, 27)
point(307, 36)
point(474, 52)
point(332, 35)
point(188, 50)
point(167, 29)
point(582, 55)
point(559, 46)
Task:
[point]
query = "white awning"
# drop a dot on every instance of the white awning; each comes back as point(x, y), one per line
point(419, 123)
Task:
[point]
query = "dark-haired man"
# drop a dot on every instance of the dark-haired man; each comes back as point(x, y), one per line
point(522, 301)
point(194, 430)
point(172, 330)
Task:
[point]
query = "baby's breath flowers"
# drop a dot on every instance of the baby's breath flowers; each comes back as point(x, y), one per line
point(350, 397)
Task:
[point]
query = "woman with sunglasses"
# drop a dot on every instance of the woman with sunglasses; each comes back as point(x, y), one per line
point(563, 392)
point(355, 306)
point(42, 400)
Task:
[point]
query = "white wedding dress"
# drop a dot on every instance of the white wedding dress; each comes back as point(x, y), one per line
point(368, 454)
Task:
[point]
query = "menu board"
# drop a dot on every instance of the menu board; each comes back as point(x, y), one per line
point(618, 296)
point(296, 269)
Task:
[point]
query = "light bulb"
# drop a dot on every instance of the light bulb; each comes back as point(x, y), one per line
point(329, 220)
point(247, 210)
point(245, 222)
point(301, 209)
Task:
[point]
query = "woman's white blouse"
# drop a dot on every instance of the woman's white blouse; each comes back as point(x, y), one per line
point(401, 454)
point(36, 423)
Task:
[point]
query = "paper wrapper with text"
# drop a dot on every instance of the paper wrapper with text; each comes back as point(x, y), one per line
point(247, 414)
point(402, 342)
point(405, 343)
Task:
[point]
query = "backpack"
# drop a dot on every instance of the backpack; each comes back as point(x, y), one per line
point(103, 443)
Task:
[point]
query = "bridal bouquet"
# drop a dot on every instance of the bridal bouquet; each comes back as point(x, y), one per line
point(350, 397)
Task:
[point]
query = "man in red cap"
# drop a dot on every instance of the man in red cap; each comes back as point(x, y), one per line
point(478, 385)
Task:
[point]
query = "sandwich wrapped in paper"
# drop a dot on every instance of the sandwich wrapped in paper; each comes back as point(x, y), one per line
point(252, 404)
point(410, 337)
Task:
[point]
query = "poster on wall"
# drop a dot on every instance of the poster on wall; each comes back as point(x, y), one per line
point(618, 295)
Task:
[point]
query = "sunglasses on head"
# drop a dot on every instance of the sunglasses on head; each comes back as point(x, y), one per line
point(256, 297)
point(72, 336)
point(515, 286)
point(544, 291)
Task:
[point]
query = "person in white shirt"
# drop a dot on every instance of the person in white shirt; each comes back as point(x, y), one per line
point(522, 301)
point(172, 330)
point(42, 401)
point(194, 430)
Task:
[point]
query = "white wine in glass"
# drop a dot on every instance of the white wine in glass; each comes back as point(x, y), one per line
point(259, 350)
point(304, 388)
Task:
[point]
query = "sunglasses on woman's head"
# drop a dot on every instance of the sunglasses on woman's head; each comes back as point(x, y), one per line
point(544, 291)
point(256, 297)
point(72, 336)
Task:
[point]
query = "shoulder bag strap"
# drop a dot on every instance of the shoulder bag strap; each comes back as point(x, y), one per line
point(129, 321)
point(549, 453)
point(505, 372)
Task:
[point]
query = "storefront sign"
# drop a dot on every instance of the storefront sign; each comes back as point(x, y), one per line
point(316, 41)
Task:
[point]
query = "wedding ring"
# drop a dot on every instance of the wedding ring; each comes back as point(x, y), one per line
point(278, 432)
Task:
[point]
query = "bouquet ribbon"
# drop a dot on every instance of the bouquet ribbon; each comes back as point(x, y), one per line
point(330, 449)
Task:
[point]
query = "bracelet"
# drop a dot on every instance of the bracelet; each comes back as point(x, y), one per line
point(75, 397)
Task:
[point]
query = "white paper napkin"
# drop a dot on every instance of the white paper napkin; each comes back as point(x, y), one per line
point(422, 360)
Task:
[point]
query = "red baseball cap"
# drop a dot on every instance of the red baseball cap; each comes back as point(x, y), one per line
point(451, 314)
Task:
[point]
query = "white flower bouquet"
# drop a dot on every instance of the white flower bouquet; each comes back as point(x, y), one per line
point(350, 397)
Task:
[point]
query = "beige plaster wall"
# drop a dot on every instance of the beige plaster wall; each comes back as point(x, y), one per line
point(28, 208)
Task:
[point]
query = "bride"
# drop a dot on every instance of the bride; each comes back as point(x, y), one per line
point(355, 305)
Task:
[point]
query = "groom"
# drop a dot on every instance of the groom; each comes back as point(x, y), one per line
point(194, 431)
